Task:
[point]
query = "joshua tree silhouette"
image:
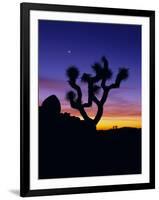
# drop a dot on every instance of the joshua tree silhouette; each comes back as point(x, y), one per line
point(102, 74)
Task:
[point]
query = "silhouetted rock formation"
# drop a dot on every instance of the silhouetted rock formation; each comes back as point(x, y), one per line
point(51, 106)
point(70, 147)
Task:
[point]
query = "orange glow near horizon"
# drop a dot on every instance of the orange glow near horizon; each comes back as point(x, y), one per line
point(108, 122)
point(113, 116)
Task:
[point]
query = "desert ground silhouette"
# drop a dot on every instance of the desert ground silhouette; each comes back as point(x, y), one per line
point(69, 147)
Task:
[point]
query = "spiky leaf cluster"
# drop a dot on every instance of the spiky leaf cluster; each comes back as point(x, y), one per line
point(97, 68)
point(70, 95)
point(122, 75)
point(85, 77)
point(72, 73)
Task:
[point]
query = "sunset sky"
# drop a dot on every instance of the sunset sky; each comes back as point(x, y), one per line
point(62, 44)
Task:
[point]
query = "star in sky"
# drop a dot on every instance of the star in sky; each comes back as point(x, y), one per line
point(69, 51)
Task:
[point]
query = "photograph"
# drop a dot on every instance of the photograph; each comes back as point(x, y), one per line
point(87, 99)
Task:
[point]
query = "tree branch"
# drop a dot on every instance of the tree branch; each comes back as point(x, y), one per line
point(102, 74)
point(90, 94)
point(99, 111)
point(78, 90)
point(78, 103)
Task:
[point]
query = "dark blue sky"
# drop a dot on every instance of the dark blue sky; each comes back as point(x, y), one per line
point(121, 44)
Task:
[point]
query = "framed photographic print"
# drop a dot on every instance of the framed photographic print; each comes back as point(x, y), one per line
point(87, 99)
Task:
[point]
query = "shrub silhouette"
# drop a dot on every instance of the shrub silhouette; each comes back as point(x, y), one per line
point(95, 83)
